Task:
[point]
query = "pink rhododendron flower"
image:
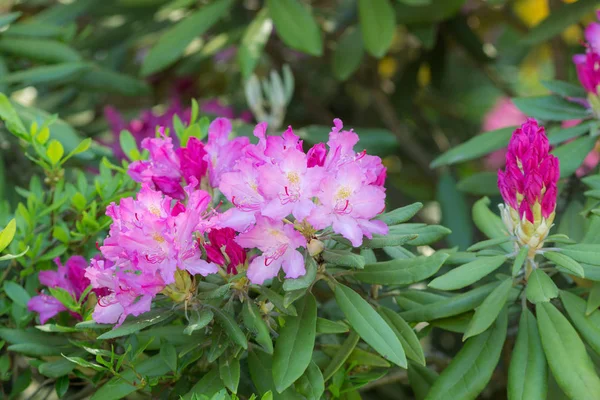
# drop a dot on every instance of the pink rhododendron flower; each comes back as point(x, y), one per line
point(279, 243)
point(222, 249)
point(587, 64)
point(222, 152)
point(70, 277)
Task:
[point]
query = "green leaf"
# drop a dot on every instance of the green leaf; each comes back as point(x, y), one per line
point(519, 260)
point(132, 325)
point(50, 51)
point(426, 234)
point(566, 354)
point(128, 145)
point(564, 89)
point(58, 73)
point(343, 258)
point(65, 297)
point(369, 325)
point(489, 243)
point(489, 223)
point(257, 326)
point(293, 348)
point(572, 154)
point(172, 43)
point(585, 253)
point(566, 262)
point(11, 118)
point(56, 368)
point(311, 384)
point(9, 18)
point(406, 335)
point(231, 327)
point(109, 81)
point(82, 147)
point(341, 356)
point(348, 54)
point(55, 151)
point(296, 26)
point(7, 234)
point(229, 371)
point(455, 212)
point(559, 135)
point(488, 311)
point(400, 215)
point(204, 317)
point(260, 366)
point(378, 25)
point(402, 271)
point(559, 20)
point(253, 42)
point(325, 326)
point(588, 326)
point(550, 108)
point(16, 293)
point(480, 184)
point(471, 369)
point(448, 307)
point(540, 287)
point(475, 147)
point(208, 385)
point(168, 353)
point(421, 379)
point(467, 274)
point(276, 299)
point(594, 299)
point(61, 386)
point(528, 373)
point(304, 281)
point(37, 349)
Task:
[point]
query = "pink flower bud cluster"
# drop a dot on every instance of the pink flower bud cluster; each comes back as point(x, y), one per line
point(528, 185)
point(588, 64)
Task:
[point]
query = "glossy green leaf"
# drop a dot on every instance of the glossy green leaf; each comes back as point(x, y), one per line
point(489, 243)
point(572, 154)
point(550, 108)
point(472, 368)
point(564, 89)
point(585, 253)
point(132, 325)
point(16, 293)
point(231, 327)
point(488, 311)
point(200, 321)
point(560, 135)
point(168, 354)
point(343, 258)
point(341, 355)
point(528, 371)
point(540, 287)
point(475, 147)
point(559, 20)
point(260, 366)
point(357, 357)
point(421, 379)
point(58, 73)
point(369, 325)
point(296, 26)
point(50, 51)
point(257, 326)
point(489, 223)
point(565, 261)
point(593, 301)
point(172, 43)
point(519, 260)
point(293, 348)
point(208, 385)
point(61, 386)
point(253, 42)
point(348, 54)
point(7, 234)
point(229, 371)
point(400, 215)
point(402, 271)
point(326, 326)
point(311, 384)
point(588, 326)
point(378, 24)
point(566, 354)
point(467, 274)
point(426, 234)
point(404, 332)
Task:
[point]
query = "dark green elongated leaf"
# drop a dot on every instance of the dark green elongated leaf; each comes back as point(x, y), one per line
point(528, 372)
point(400, 215)
point(276, 299)
point(448, 307)
point(475, 147)
point(369, 325)
point(540, 287)
point(208, 385)
point(588, 326)
point(358, 356)
point(408, 338)
point(260, 365)
point(378, 24)
point(519, 260)
point(572, 154)
point(566, 354)
point(566, 262)
point(467, 274)
point(480, 184)
point(564, 89)
point(396, 252)
point(341, 356)
point(61, 73)
point(471, 369)
point(559, 20)
point(559, 135)
point(592, 181)
point(255, 324)
point(105, 80)
point(550, 108)
point(62, 14)
point(219, 343)
point(585, 253)
point(168, 353)
point(328, 327)
point(343, 258)
point(16, 293)
point(380, 241)
point(50, 51)
point(489, 243)
point(348, 54)
point(402, 271)
point(304, 281)
point(593, 301)
point(489, 223)
point(132, 325)
point(296, 26)
point(229, 371)
point(172, 43)
point(18, 336)
point(421, 379)
point(38, 349)
point(426, 234)
point(455, 212)
point(253, 42)
point(488, 311)
point(9, 18)
point(293, 348)
point(312, 384)
point(231, 327)
point(56, 368)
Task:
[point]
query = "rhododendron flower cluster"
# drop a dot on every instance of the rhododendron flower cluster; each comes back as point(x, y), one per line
point(528, 186)
point(69, 277)
point(587, 64)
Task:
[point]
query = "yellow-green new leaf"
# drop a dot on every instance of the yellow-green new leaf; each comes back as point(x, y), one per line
point(467, 274)
point(488, 311)
point(7, 234)
point(55, 151)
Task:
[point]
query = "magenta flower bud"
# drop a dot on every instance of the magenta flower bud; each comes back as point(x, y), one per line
point(222, 249)
point(586, 64)
point(316, 155)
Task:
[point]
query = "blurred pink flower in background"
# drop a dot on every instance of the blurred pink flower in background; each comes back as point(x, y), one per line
point(502, 115)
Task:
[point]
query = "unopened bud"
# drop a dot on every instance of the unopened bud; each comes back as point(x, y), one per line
point(315, 246)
